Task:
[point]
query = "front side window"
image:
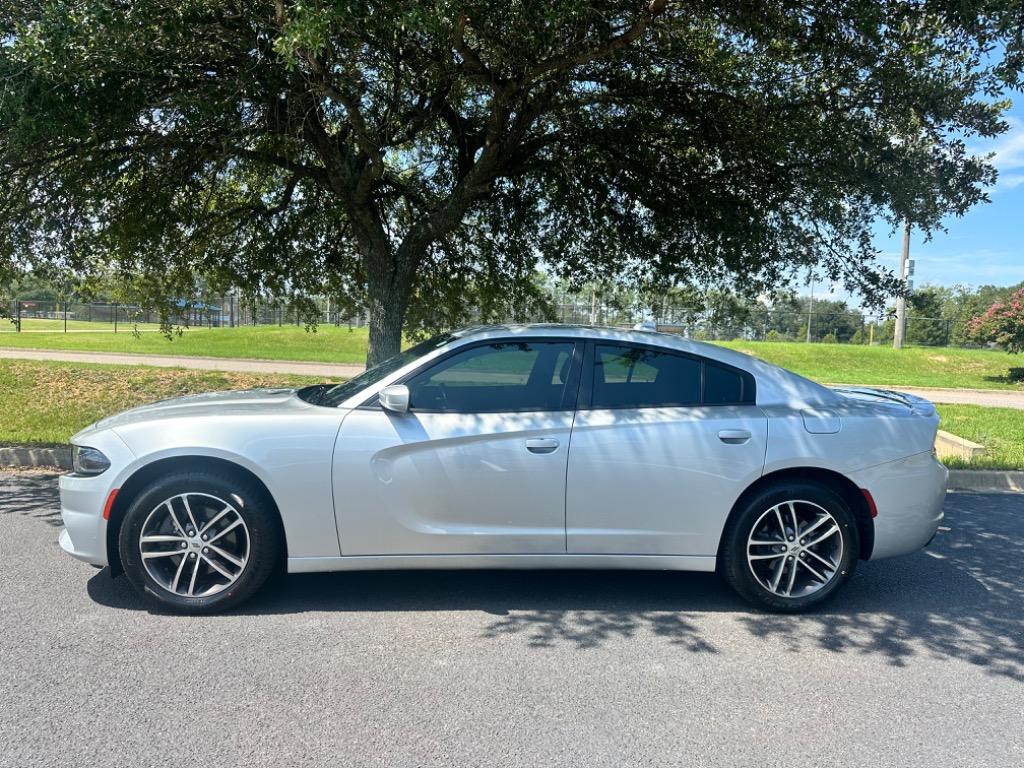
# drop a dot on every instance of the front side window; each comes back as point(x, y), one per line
point(503, 376)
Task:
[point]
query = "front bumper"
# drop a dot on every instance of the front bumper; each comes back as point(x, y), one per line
point(909, 494)
point(82, 499)
point(81, 506)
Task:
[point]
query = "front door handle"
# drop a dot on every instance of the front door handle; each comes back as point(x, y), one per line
point(542, 445)
point(734, 436)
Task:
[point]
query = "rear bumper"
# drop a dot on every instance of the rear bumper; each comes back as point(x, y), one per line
point(909, 494)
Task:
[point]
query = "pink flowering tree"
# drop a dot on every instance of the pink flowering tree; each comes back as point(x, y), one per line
point(1001, 324)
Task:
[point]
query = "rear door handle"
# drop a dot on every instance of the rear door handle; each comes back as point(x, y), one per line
point(734, 436)
point(542, 445)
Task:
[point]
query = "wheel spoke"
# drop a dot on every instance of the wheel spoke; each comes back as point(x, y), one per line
point(766, 557)
point(819, 576)
point(177, 573)
point(792, 577)
point(192, 581)
point(160, 538)
point(830, 532)
point(792, 514)
point(217, 517)
point(188, 510)
point(782, 525)
point(828, 563)
point(231, 527)
point(229, 557)
point(817, 524)
point(755, 543)
point(778, 576)
point(168, 553)
point(219, 569)
point(174, 517)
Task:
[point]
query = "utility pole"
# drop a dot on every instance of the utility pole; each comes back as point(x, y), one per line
point(901, 301)
point(810, 312)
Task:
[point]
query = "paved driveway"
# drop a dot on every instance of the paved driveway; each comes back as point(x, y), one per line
point(919, 663)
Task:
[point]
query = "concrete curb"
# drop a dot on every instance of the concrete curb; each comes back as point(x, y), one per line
point(948, 444)
point(21, 457)
point(987, 480)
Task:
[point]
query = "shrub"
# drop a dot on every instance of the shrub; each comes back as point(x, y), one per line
point(1001, 324)
point(829, 338)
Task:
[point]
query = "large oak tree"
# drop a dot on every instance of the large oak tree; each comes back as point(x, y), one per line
point(401, 152)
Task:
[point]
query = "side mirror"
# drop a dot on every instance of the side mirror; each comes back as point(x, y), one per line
point(395, 398)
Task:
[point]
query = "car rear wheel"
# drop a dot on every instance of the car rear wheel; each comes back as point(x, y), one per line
point(199, 542)
point(790, 547)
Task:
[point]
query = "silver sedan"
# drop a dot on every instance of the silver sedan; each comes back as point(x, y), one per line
point(537, 446)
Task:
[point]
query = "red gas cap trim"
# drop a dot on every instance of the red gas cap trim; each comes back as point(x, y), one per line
point(110, 504)
point(870, 501)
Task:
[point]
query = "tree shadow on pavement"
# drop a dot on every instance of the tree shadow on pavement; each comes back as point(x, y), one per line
point(32, 494)
point(962, 598)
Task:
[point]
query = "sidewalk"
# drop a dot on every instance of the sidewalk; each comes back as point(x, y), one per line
point(327, 370)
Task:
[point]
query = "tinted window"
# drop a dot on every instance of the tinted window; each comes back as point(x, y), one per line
point(507, 376)
point(722, 385)
point(339, 393)
point(630, 377)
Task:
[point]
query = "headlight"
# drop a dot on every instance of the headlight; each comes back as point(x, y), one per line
point(88, 461)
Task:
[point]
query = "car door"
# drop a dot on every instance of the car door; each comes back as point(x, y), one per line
point(476, 466)
point(662, 445)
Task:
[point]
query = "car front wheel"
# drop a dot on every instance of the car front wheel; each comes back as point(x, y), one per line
point(790, 547)
point(199, 542)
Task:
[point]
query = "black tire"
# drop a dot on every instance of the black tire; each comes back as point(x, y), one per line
point(738, 571)
point(261, 527)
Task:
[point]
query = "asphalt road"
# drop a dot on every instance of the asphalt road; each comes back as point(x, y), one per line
point(920, 662)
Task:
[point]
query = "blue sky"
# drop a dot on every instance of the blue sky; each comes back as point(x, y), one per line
point(986, 246)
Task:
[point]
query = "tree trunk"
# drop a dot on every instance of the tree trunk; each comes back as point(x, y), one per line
point(388, 288)
point(385, 321)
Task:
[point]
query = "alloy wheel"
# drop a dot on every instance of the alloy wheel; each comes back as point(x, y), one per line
point(795, 548)
point(195, 544)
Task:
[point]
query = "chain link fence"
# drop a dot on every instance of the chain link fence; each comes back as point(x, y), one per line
point(29, 315)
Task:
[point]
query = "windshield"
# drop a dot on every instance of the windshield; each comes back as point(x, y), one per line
point(339, 393)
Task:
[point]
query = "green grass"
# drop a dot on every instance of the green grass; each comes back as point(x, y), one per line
point(266, 342)
point(1000, 430)
point(908, 367)
point(48, 402)
point(828, 363)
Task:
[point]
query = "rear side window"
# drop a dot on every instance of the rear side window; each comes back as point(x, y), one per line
point(505, 376)
point(632, 377)
point(722, 385)
point(636, 377)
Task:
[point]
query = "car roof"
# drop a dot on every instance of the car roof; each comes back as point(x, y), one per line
point(775, 385)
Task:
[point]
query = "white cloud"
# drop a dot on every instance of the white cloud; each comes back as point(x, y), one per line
point(1011, 180)
point(1009, 155)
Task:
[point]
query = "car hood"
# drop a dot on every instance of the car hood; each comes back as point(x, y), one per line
point(242, 402)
